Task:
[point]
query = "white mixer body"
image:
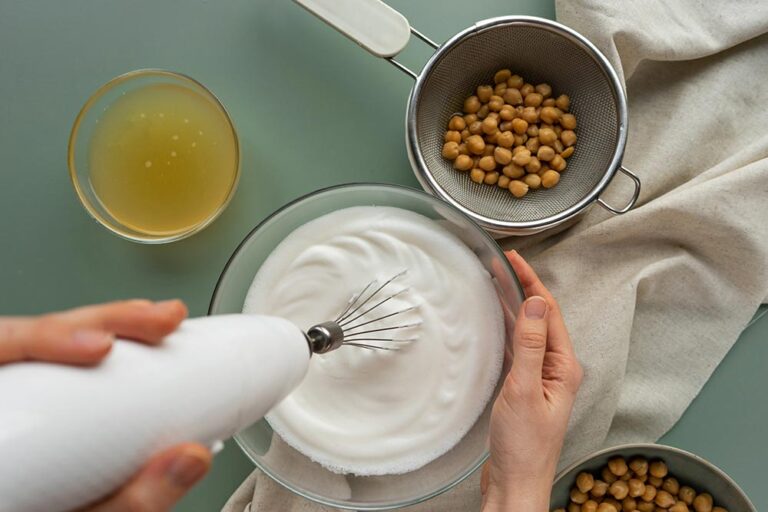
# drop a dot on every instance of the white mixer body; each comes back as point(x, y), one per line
point(70, 435)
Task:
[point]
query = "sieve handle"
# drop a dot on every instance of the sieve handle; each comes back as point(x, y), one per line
point(372, 24)
point(632, 201)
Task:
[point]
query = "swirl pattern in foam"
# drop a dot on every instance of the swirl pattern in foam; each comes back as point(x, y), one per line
point(384, 412)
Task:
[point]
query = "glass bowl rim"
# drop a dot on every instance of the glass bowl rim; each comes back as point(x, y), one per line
point(268, 219)
point(73, 139)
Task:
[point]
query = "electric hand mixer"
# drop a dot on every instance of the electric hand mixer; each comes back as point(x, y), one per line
point(70, 435)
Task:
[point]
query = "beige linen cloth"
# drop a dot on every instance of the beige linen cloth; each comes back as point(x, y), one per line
point(655, 298)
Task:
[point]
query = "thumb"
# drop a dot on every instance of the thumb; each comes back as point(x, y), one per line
point(529, 343)
point(161, 482)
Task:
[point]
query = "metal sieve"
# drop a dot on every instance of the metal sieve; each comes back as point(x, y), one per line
point(538, 49)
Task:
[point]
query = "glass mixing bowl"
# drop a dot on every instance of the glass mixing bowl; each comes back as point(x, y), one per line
point(288, 466)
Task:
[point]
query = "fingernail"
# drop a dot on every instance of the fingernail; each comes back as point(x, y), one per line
point(535, 308)
point(186, 469)
point(169, 306)
point(92, 340)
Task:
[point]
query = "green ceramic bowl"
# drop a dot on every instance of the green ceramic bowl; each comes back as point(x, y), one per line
point(688, 468)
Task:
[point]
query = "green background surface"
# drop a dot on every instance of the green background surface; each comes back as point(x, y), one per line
point(312, 110)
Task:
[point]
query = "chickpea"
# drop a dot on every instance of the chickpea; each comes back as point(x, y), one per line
point(585, 481)
point(475, 144)
point(568, 137)
point(491, 178)
point(476, 128)
point(589, 506)
point(533, 166)
point(607, 507)
point(471, 105)
point(519, 189)
point(502, 155)
point(567, 152)
point(599, 489)
point(507, 113)
point(513, 171)
point(532, 144)
point(491, 125)
point(522, 158)
point(519, 126)
point(484, 93)
point(487, 163)
point(533, 99)
point(532, 131)
point(649, 494)
point(547, 136)
point(483, 112)
point(549, 115)
point(489, 147)
point(515, 81)
point(496, 103)
point(619, 489)
point(503, 181)
point(719, 509)
point(452, 136)
point(505, 126)
point(629, 504)
point(655, 481)
point(671, 485)
point(559, 510)
point(463, 163)
point(558, 129)
point(526, 89)
point(549, 102)
point(465, 133)
point(573, 507)
point(563, 102)
point(501, 75)
point(636, 487)
point(626, 476)
point(545, 153)
point(558, 146)
point(608, 476)
point(644, 506)
point(549, 180)
point(451, 150)
point(518, 149)
point(477, 175)
point(513, 96)
point(544, 89)
point(658, 469)
point(493, 115)
point(463, 149)
point(534, 182)
point(506, 139)
point(470, 118)
point(702, 503)
point(642, 478)
point(568, 121)
point(519, 140)
point(558, 163)
point(530, 114)
point(679, 506)
point(686, 494)
point(576, 495)
point(664, 499)
point(499, 89)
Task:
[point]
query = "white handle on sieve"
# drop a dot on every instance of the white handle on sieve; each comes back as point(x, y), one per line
point(372, 24)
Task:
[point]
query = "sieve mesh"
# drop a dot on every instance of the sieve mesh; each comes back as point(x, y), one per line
point(539, 54)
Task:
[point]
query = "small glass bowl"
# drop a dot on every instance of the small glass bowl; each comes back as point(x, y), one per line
point(291, 468)
point(80, 140)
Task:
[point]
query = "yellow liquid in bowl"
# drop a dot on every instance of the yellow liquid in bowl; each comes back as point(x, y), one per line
point(163, 159)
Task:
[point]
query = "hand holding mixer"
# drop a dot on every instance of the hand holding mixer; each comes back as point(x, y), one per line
point(69, 435)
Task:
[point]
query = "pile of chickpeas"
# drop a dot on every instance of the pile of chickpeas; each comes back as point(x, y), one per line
point(636, 486)
point(513, 134)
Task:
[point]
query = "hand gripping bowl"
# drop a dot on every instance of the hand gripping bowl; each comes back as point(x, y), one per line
point(288, 466)
point(538, 49)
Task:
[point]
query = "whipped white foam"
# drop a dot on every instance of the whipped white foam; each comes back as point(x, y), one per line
point(378, 412)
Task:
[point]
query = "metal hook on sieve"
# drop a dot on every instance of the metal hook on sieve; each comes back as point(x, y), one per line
point(632, 201)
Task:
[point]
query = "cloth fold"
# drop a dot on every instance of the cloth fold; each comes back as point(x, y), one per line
point(655, 298)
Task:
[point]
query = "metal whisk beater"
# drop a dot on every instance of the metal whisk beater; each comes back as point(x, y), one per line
point(352, 327)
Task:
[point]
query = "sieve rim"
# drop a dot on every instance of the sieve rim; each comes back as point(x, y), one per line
point(431, 185)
